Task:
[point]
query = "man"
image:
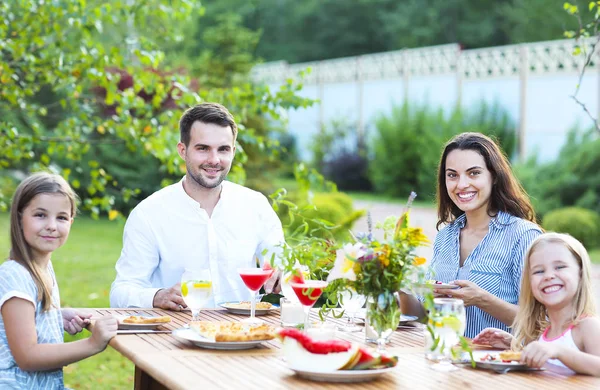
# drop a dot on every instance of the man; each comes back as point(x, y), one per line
point(200, 222)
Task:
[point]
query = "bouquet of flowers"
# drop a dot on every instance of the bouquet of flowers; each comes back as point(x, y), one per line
point(378, 269)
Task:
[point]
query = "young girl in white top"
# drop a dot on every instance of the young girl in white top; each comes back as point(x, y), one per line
point(32, 349)
point(556, 322)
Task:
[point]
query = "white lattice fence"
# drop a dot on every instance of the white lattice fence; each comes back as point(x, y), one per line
point(501, 61)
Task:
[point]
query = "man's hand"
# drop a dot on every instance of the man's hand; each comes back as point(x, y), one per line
point(74, 321)
point(273, 285)
point(169, 298)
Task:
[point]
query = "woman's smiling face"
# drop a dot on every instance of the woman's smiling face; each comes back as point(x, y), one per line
point(468, 181)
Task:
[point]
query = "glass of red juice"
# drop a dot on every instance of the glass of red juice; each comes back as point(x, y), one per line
point(254, 278)
point(308, 292)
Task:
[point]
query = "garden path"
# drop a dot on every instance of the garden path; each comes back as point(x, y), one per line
point(426, 218)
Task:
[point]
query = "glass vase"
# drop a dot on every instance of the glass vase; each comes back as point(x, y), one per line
point(383, 316)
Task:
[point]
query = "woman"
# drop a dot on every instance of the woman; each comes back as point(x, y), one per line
point(490, 225)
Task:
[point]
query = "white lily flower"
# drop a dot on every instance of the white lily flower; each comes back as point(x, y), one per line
point(343, 268)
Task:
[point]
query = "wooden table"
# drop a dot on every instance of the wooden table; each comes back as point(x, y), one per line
point(161, 361)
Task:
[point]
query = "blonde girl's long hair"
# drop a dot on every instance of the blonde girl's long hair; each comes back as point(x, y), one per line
point(20, 251)
point(531, 319)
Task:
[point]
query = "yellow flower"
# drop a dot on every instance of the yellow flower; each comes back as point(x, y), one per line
point(385, 259)
point(419, 261)
point(416, 237)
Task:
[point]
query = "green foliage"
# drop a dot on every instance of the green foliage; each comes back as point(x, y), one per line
point(407, 145)
point(315, 209)
point(572, 179)
point(62, 69)
point(583, 224)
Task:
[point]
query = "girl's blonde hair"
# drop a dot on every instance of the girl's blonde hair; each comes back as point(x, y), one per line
point(20, 251)
point(531, 319)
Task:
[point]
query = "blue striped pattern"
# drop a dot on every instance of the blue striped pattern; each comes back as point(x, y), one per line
point(495, 265)
point(15, 281)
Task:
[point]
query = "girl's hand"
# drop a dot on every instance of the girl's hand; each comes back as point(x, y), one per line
point(536, 354)
point(469, 292)
point(105, 328)
point(74, 321)
point(494, 337)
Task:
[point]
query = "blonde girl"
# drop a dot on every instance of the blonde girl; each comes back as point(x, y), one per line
point(556, 322)
point(32, 349)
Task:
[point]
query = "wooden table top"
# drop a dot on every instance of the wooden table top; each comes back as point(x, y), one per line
point(180, 365)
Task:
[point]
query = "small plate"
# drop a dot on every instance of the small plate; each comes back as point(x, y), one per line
point(124, 326)
point(246, 312)
point(342, 376)
point(499, 365)
point(188, 334)
point(439, 286)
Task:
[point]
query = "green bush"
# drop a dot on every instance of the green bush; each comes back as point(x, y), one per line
point(583, 224)
point(406, 148)
point(332, 209)
point(573, 179)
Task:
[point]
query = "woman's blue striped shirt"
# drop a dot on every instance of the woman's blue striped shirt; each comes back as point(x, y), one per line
point(495, 265)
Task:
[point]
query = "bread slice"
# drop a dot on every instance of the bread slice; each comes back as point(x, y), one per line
point(146, 320)
point(246, 305)
point(510, 355)
point(233, 331)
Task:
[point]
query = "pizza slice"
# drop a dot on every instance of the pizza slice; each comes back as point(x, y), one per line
point(510, 356)
point(233, 331)
point(146, 320)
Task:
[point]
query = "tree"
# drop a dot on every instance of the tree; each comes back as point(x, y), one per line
point(56, 55)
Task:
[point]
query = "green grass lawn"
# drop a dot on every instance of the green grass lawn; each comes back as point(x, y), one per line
point(85, 269)
point(595, 256)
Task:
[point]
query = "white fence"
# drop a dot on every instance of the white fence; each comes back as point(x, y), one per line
point(533, 81)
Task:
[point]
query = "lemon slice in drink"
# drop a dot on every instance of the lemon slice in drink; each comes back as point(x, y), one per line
point(202, 284)
point(184, 290)
point(452, 322)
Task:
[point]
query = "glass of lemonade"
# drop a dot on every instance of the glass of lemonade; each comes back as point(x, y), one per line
point(196, 289)
point(448, 324)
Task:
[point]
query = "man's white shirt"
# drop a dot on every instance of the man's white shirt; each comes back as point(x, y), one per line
point(169, 231)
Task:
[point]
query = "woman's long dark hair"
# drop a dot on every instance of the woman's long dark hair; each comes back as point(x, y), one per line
point(507, 193)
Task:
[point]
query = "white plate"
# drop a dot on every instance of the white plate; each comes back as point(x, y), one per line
point(342, 376)
point(188, 334)
point(498, 365)
point(440, 286)
point(124, 326)
point(246, 312)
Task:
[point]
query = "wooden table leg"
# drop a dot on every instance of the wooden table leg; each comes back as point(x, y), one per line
point(143, 381)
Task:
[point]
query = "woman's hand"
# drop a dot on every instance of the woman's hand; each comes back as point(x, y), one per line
point(74, 321)
point(536, 354)
point(468, 292)
point(496, 338)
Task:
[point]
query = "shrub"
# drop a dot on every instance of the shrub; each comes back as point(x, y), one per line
point(334, 209)
point(349, 170)
point(573, 179)
point(406, 148)
point(583, 224)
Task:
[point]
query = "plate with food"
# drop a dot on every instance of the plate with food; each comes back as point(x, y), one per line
point(139, 322)
point(436, 284)
point(499, 361)
point(243, 307)
point(225, 335)
point(332, 360)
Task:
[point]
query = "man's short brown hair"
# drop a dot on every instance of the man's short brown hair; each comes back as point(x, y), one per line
point(213, 113)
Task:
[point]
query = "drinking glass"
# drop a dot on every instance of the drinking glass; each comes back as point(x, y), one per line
point(448, 323)
point(308, 293)
point(351, 301)
point(254, 278)
point(196, 289)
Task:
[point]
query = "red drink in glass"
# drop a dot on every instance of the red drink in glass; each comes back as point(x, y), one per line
point(254, 278)
point(308, 293)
